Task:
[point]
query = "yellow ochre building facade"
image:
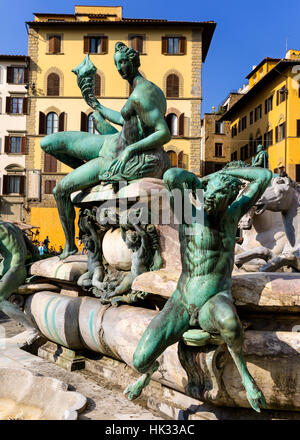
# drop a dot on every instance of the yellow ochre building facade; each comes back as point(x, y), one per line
point(171, 55)
point(269, 114)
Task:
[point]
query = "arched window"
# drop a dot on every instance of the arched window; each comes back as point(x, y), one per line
point(172, 86)
point(53, 85)
point(51, 123)
point(91, 125)
point(172, 122)
point(97, 85)
point(173, 158)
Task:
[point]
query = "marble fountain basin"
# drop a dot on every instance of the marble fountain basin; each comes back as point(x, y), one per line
point(26, 396)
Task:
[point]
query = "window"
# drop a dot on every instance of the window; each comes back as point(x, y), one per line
point(244, 152)
point(251, 118)
point(15, 145)
point(173, 158)
point(280, 132)
point(50, 164)
point(97, 85)
point(251, 147)
point(174, 45)
point(51, 123)
point(137, 43)
point(234, 130)
point(281, 95)
point(268, 138)
point(298, 128)
point(261, 72)
point(269, 104)
point(172, 121)
point(239, 126)
point(244, 122)
point(17, 75)
point(16, 105)
point(175, 124)
point(258, 113)
point(95, 45)
point(49, 186)
point(54, 44)
point(172, 86)
point(218, 150)
point(234, 156)
point(218, 127)
point(13, 184)
point(53, 85)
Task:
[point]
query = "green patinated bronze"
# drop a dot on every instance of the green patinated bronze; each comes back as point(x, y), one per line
point(203, 294)
point(14, 248)
point(261, 159)
point(134, 152)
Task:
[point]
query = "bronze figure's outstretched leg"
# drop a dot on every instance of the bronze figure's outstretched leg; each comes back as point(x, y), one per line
point(218, 316)
point(164, 330)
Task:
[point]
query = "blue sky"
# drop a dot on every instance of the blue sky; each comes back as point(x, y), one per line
point(246, 32)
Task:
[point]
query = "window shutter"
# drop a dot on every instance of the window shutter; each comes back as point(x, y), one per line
point(104, 44)
point(50, 164)
point(84, 122)
point(181, 124)
point(22, 185)
point(164, 45)
point(23, 144)
point(283, 130)
point(51, 44)
point(47, 186)
point(26, 73)
point(276, 134)
point(5, 184)
point(9, 74)
point(7, 144)
point(42, 123)
point(57, 44)
point(182, 45)
point(97, 85)
point(266, 106)
point(25, 106)
point(298, 127)
point(8, 104)
point(172, 86)
point(180, 159)
point(53, 85)
point(86, 44)
point(61, 121)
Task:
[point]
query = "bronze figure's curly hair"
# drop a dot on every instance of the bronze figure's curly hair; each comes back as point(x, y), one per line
point(232, 183)
point(132, 54)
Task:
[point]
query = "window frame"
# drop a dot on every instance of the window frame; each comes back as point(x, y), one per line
point(103, 44)
point(182, 45)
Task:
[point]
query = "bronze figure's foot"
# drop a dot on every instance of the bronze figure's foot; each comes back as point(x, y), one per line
point(254, 395)
point(66, 253)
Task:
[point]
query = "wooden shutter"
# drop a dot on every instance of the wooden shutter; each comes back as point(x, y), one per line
point(84, 122)
point(51, 44)
point(49, 186)
point(26, 73)
point(53, 85)
point(137, 43)
point(8, 104)
point(104, 44)
point(22, 185)
point(42, 123)
point(57, 44)
point(172, 86)
point(97, 85)
point(25, 106)
point(180, 159)
point(23, 144)
point(7, 144)
point(283, 130)
point(5, 184)
point(182, 45)
point(61, 121)
point(181, 125)
point(276, 134)
point(50, 164)
point(9, 74)
point(164, 45)
point(86, 44)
